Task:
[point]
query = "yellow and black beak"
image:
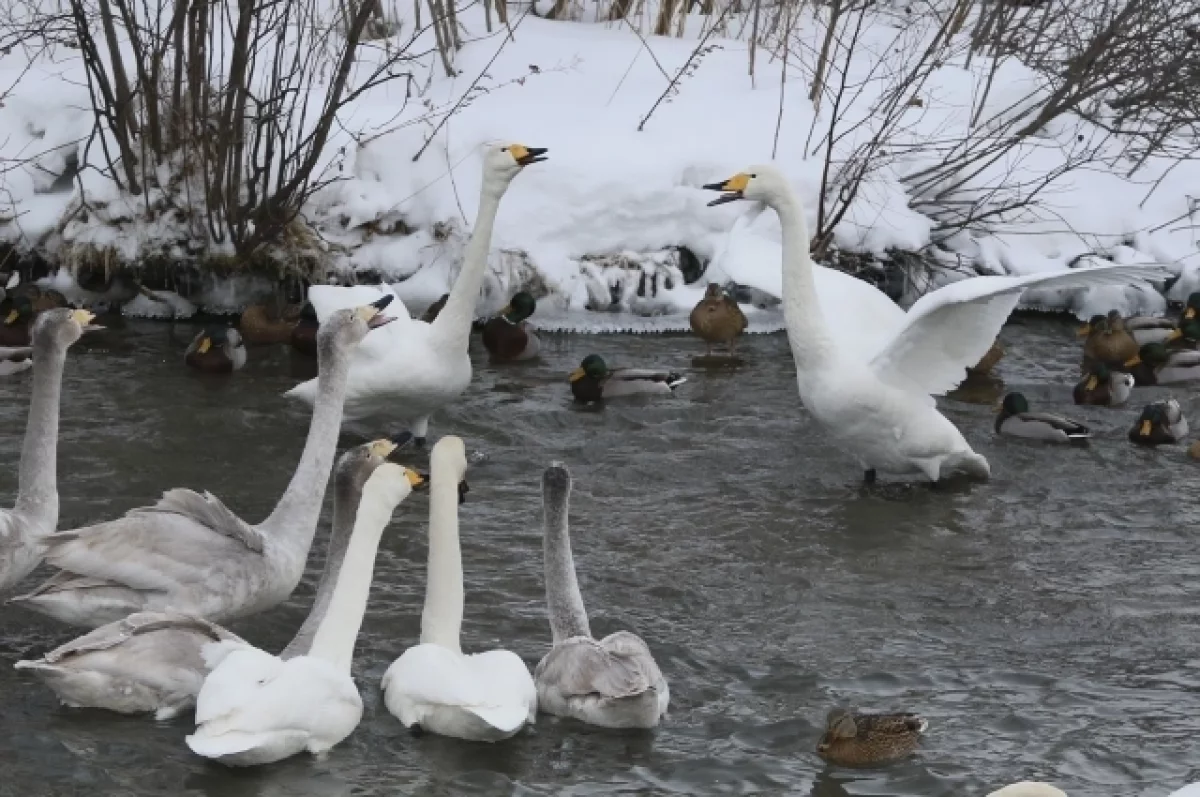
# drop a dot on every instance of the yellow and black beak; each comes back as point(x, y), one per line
point(734, 189)
point(576, 375)
point(463, 489)
point(84, 318)
point(526, 155)
point(373, 313)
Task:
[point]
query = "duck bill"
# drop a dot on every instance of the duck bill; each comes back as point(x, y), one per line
point(576, 375)
point(204, 346)
point(1189, 313)
point(1133, 362)
point(1092, 383)
point(1145, 430)
point(1174, 334)
point(12, 316)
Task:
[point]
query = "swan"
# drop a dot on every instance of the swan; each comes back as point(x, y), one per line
point(1029, 788)
point(255, 708)
point(433, 686)
point(151, 661)
point(880, 407)
point(15, 359)
point(418, 367)
point(189, 553)
point(613, 682)
point(1191, 790)
point(24, 528)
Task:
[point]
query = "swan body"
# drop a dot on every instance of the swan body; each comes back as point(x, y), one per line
point(189, 553)
point(612, 682)
point(1015, 420)
point(880, 409)
point(433, 686)
point(1191, 790)
point(25, 528)
point(255, 708)
point(418, 367)
point(15, 359)
point(1028, 788)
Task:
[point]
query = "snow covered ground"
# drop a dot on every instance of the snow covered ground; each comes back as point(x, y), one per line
point(583, 90)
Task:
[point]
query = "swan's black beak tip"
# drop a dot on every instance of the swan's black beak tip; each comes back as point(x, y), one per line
point(383, 301)
point(533, 155)
point(463, 489)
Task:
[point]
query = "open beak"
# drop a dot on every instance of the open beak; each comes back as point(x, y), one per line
point(463, 489)
point(84, 318)
point(527, 155)
point(734, 189)
point(576, 375)
point(377, 318)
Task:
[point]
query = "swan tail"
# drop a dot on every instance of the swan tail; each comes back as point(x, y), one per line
point(503, 718)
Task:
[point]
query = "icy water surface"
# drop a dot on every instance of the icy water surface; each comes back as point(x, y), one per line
point(1045, 623)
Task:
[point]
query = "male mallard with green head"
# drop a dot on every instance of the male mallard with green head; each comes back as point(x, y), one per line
point(1104, 387)
point(1161, 423)
point(506, 336)
point(717, 319)
point(217, 350)
point(1015, 420)
point(593, 381)
point(855, 739)
point(1155, 364)
point(15, 328)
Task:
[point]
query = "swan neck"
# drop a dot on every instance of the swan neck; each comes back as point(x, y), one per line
point(441, 619)
point(453, 324)
point(808, 334)
point(37, 479)
point(564, 602)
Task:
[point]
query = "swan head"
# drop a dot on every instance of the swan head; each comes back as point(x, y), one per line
point(521, 306)
point(346, 328)
point(503, 162)
point(449, 457)
point(1028, 788)
point(764, 184)
point(593, 365)
point(61, 327)
point(389, 484)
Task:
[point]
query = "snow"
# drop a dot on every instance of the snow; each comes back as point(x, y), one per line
point(601, 219)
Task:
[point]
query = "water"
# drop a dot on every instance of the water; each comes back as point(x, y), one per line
point(1045, 623)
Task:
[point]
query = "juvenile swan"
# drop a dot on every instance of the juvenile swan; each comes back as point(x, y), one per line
point(189, 553)
point(880, 409)
point(255, 708)
point(151, 661)
point(433, 686)
point(25, 527)
point(613, 682)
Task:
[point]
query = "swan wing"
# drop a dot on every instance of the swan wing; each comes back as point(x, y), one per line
point(112, 635)
point(951, 328)
point(612, 668)
point(210, 512)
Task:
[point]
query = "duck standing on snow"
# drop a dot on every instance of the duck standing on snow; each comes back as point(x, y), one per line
point(506, 336)
point(1104, 387)
point(612, 682)
point(217, 350)
point(25, 528)
point(433, 686)
point(1015, 420)
point(416, 368)
point(881, 409)
point(717, 319)
point(189, 553)
point(1155, 364)
point(1161, 423)
point(152, 661)
point(256, 708)
point(854, 739)
point(593, 381)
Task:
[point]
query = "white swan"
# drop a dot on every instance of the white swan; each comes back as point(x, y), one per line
point(1029, 788)
point(417, 368)
point(1191, 790)
point(24, 528)
point(151, 661)
point(189, 553)
point(880, 408)
point(255, 708)
point(15, 359)
point(433, 686)
point(613, 682)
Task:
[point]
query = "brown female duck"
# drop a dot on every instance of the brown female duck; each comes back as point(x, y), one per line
point(717, 319)
point(862, 740)
point(262, 323)
point(506, 336)
point(1108, 341)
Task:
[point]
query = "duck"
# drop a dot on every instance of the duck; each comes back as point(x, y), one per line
point(1161, 423)
point(1029, 788)
point(434, 687)
point(612, 682)
point(261, 324)
point(190, 553)
point(431, 312)
point(1104, 387)
point(216, 350)
point(1107, 341)
point(256, 708)
point(854, 739)
point(1155, 364)
point(717, 319)
point(506, 336)
point(880, 409)
point(153, 661)
point(15, 359)
point(304, 333)
point(1015, 420)
point(417, 368)
point(25, 528)
point(593, 381)
point(15, 329)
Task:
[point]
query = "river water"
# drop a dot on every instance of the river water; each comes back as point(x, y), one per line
point(1046, 623)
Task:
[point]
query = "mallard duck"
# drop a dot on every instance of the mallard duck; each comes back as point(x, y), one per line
point(304, 333)
point(854, 739)
point(1161, 423)
point(15, 328)
point(1029, 788)
point(1015, 420)
point(506, 336)
point(717, 319)
point(217, 350)
point(431, 312)
point(1155, 364)
point(878, 407)
point(1108, 341)
point(592, 381)
point(15, 359)
point(263, 324)
point(1104, 387)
